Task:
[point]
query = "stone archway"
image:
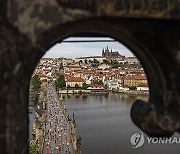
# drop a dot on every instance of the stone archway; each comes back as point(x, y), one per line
point(142, 37)
point(26, 32)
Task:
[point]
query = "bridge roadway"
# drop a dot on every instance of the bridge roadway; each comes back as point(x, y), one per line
point(57, 128)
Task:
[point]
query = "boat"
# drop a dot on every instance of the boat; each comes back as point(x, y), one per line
point(99, 91)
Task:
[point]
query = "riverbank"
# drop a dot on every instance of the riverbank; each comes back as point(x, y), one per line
point(60, 131)
point(130, 92)
point(105, 124)
point(73, 91)
point(134, 92)
point(74, 138)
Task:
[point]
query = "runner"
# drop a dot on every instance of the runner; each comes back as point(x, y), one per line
point(57, 138)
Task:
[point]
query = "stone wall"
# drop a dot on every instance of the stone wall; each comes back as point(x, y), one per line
point(149, 28)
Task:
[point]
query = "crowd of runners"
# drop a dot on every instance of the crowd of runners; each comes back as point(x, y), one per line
point(57, 134)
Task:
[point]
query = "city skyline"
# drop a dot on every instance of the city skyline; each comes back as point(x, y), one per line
point(85, 49)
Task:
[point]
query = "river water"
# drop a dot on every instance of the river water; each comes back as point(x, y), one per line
point(105, 126)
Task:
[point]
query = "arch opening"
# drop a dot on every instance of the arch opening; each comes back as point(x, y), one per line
point(132, 38)
point(109, 61)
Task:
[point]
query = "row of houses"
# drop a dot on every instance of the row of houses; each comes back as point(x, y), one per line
point(121, 84)
point(78, 73)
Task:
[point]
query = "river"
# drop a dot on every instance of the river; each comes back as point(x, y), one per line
point(105, 126)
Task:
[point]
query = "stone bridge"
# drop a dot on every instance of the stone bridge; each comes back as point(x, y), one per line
point(149, 28)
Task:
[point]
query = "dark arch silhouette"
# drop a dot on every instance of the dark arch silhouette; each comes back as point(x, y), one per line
point(142, 38)
point(155, 42)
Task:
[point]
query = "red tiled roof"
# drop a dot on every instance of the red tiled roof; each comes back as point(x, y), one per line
point(41, 75)
point(73, 79)
point(136, 77)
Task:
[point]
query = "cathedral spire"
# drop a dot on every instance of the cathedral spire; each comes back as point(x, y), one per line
point(103, 52)
point(61, 66)
point(61, 69)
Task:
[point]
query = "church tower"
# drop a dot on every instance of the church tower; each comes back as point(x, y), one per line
point(106, 51)
point(61, 69)
point(103, 54)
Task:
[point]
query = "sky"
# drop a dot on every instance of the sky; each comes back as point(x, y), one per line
point(75, 50)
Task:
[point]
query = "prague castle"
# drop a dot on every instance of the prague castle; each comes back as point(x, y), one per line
point(107, 53)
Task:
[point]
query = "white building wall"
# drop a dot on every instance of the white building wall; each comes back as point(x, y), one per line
point(143, 88)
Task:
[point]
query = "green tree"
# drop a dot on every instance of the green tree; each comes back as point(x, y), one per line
point(76, 86)
point(60, 82)
point(68, 86)
point(98, 82)
point(84, 86)
point(80, 62)
point(85, 61)
point(95, 61)
point(35, 82)
point(105, 61)
point(132, 87)
point(126, 63)
point(36, 85)
point(94, 64)
point(115, 65)
point(33, 147)
point(90, 61)
point(115, 62)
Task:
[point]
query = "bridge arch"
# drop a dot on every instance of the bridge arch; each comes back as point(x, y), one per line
point(138, 35)
point(154, 41)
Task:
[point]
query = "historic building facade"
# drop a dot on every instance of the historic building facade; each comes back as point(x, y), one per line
point(107, 53)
